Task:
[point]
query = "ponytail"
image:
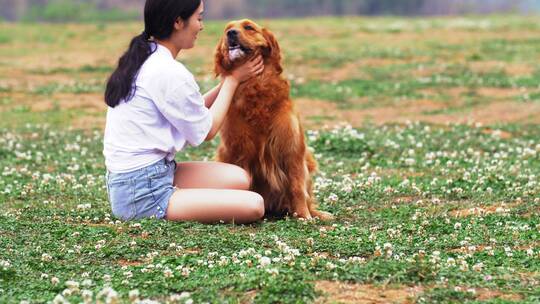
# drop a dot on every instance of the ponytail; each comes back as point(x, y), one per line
point(121, 84)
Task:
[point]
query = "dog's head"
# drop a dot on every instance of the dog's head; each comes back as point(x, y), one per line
point(242, 40)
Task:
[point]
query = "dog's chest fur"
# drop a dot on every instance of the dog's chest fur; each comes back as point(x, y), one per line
point(257, 101)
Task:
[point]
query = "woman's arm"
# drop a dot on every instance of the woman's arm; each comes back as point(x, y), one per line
point(211, 95)
point(221, 105)
point(222, 101)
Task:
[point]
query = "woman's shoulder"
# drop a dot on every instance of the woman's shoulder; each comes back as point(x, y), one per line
point(157, 66)
point(163, 71)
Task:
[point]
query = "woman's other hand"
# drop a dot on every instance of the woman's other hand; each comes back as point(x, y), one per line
point(249, 69)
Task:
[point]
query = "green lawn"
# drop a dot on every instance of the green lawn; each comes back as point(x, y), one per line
point(426, 212)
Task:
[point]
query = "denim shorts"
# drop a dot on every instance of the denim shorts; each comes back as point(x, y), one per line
point(142, 193)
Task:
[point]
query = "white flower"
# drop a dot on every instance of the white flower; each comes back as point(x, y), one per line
point(179, 297)
point(72, 285)
point(134, 295)
point(46, 257)
point(87, 296)
point(186, 271)
point(59, 299)
point(330, 266)
point(332, 198)
point(265, 261)
point(111, 296)
point(55, 280)
point(168, 273)
point(84, 206)
point(478, 267)
point(457, 226)
point(464, 266)
point(5, 265)
point(272, 271)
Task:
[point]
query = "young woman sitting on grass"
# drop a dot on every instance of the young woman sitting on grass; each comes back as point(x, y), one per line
point(155, 110)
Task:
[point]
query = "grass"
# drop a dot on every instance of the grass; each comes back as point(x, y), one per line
point(56, 220)
point(449, 210)
point(99, 69)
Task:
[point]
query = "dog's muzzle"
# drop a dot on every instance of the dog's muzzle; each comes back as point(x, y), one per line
point(236, 51)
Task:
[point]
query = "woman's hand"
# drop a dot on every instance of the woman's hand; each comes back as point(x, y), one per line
point(249, 69)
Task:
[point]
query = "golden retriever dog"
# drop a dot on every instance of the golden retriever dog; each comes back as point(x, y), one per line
point(262, 132)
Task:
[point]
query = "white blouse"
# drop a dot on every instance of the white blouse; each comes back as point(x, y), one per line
point(166, 112)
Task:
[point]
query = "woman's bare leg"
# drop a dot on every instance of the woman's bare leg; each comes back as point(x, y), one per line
point(214, 175)
point(213, 205)
point(213, 191)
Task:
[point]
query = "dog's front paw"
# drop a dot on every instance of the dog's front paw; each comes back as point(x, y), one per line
point(323, 215)
point(302, 215)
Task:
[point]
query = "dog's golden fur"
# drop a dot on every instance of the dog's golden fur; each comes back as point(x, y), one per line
point(262, 132)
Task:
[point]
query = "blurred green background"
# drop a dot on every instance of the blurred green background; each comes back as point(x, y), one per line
point(121, 10)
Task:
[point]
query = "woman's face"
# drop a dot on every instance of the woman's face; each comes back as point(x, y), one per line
point(186, 31)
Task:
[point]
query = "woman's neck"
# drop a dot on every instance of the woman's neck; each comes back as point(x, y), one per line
point(169, 45)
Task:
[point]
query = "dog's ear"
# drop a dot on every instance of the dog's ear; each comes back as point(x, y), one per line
point(272, 50)
point(222, 63)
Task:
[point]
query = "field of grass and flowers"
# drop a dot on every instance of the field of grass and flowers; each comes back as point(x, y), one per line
point(434, 179)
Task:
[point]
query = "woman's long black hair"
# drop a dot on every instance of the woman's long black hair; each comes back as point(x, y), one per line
point(159, 19)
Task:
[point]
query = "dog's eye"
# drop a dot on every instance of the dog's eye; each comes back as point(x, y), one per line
point(248, 28)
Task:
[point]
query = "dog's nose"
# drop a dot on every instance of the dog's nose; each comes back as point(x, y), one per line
point(232, 33)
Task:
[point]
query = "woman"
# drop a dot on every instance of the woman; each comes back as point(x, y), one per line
point(155, 109)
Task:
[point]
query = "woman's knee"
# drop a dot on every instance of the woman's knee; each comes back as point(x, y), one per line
point(240, 178)
point(255, 206)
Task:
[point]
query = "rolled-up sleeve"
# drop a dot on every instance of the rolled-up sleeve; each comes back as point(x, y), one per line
point(184, 108)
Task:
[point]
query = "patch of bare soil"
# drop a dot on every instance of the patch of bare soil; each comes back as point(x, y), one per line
point(498, 112)
point(405, 111)
point(90, 102)
point(248, 297)
point(484, 294)
point(123, 262)
point(512, 69)
point(348, 71)
point(498, 93)
point(339, 292)
point(311, 109)
point(418, 110)
point(20, 80)
point(480, 211)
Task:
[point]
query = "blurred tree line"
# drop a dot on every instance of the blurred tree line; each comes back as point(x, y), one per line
point(110, 10)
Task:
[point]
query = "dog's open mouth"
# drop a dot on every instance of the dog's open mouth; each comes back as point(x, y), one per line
point(236, 50)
